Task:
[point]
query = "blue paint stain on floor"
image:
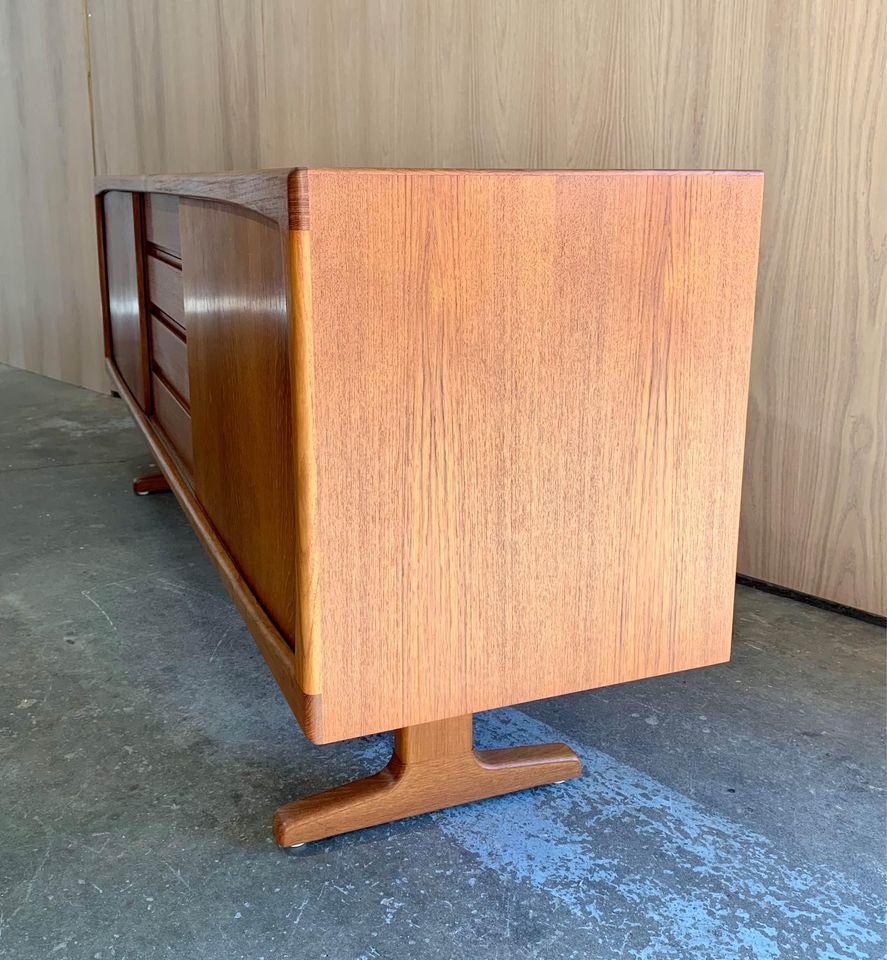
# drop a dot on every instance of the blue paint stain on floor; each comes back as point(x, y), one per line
point(638, 863)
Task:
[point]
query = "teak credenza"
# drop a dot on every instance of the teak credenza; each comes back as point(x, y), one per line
point(453, 439)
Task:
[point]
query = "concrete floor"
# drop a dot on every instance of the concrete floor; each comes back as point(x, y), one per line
point(731, 812)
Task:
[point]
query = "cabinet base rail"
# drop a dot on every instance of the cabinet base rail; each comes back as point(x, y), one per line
point(433, 766)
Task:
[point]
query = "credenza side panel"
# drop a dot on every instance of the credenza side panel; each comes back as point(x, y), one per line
point(235, 303)
point(125, 302)
point(529, 400)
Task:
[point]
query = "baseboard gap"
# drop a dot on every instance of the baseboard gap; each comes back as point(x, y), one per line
point(808, 598)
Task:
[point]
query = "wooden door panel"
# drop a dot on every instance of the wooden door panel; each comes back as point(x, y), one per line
point(235, 285)
point(123, 270)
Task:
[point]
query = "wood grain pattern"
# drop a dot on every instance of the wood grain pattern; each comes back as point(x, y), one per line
point(737, 84)
point(528, 411)
point(126, 331)
point(236, 287)
point(433, 766)
point(815, 493)
point(49, 294)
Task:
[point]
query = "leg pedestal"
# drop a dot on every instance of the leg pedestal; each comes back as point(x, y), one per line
point(149, 483)
point(433, 766)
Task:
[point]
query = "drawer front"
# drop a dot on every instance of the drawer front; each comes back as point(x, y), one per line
point(162, 222)
point(169, 354)
point(165, 289)
point(174, 420)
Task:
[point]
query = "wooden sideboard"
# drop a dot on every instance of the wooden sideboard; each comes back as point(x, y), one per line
point(453, 439)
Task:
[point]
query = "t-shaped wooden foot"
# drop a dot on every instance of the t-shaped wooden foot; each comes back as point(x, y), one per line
point(433, 766)
point(149, 483)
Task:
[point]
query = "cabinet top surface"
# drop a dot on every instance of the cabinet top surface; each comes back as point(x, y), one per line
point(282, 194)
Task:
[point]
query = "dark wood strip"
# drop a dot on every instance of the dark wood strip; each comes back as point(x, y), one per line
point(265, 191)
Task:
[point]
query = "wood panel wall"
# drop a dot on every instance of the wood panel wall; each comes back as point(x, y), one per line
point(49, 291)
point(794, 87)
